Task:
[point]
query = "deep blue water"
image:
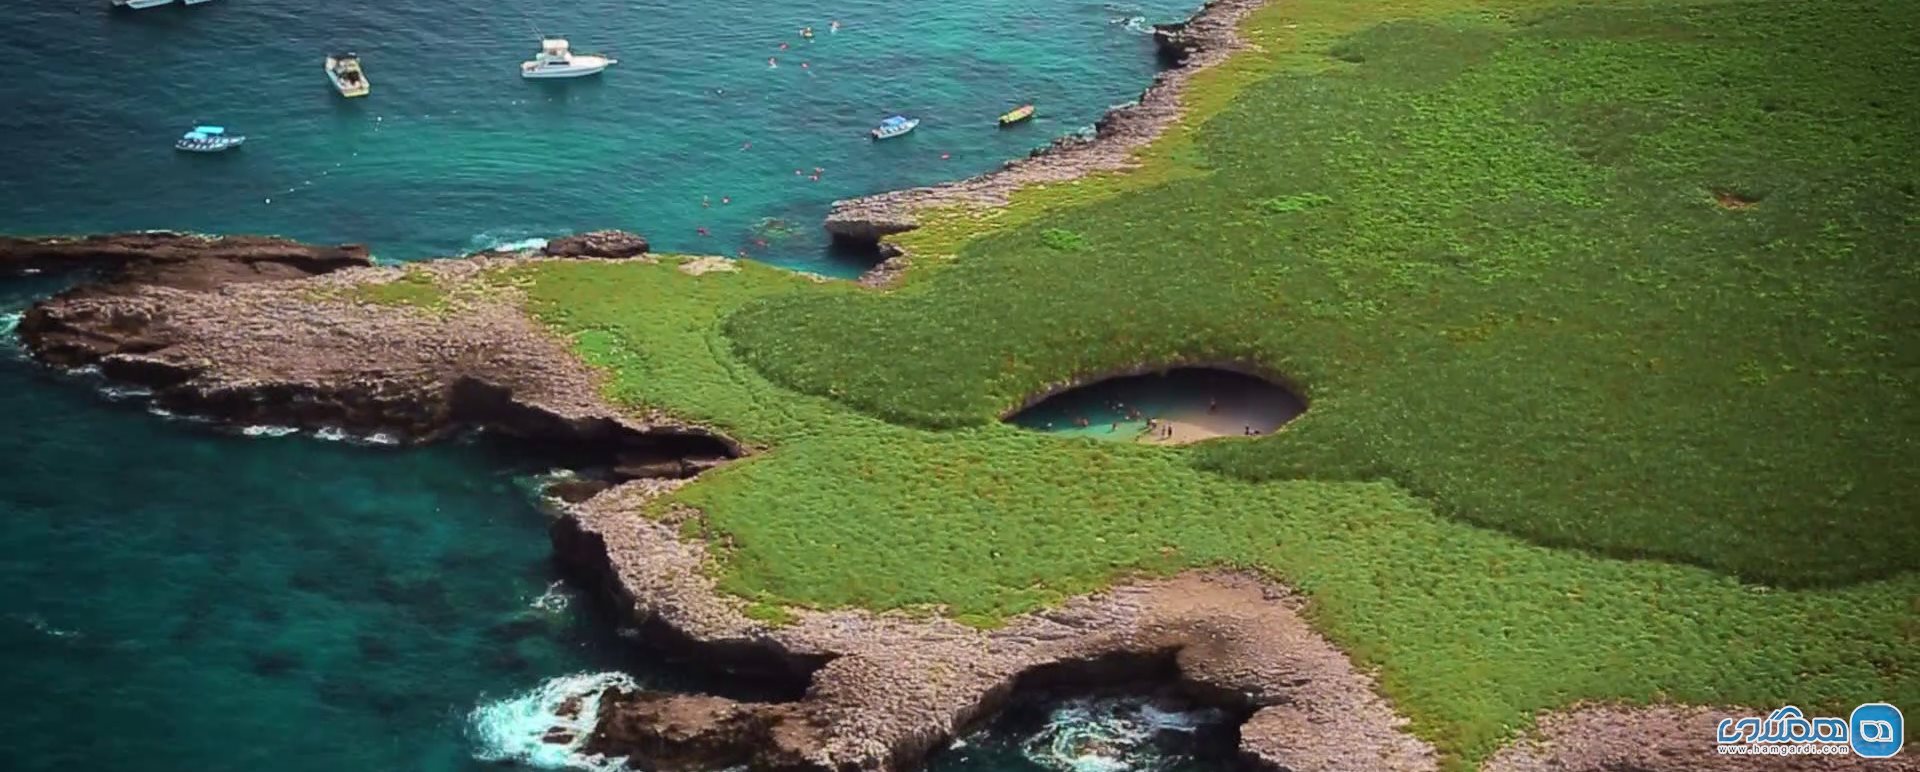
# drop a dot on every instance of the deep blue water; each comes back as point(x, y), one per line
point(174, 597)
point(453, 151)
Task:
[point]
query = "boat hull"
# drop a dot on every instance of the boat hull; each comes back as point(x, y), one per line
point(571, 72)
point(196, 147)
point(1017, 116)
point(138, 4)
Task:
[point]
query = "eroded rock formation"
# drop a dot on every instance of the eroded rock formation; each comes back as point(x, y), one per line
point(216, 329)
point(885, 690)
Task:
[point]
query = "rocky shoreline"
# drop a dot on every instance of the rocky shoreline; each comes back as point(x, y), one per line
point(243, 330)
point(862, 690)
point(1207, 38)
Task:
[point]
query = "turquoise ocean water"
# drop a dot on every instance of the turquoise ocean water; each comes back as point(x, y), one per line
point(453, 151)
point(172, 597)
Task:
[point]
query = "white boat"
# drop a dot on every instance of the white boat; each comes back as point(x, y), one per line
point(894, 126)
point(208, 139)
point(557, 61)
point(193, 2)
point(139, 3)
point(344, 71)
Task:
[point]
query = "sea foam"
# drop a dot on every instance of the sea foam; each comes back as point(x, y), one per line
point(514, 729)
point(268, 430)
point(1108, 735)
point(504, 242)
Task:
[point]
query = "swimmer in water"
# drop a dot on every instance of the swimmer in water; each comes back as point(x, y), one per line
point(833, 26)
point(724, 200)
point(746, 146)
point(705, 202)
point(702, 230)
point(945, 156)
point(772, 63)
point(806, 32)
point(783, 46)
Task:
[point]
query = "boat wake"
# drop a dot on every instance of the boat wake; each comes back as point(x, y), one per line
point(545, 728)
point(1136, 24)
point(1112, 735)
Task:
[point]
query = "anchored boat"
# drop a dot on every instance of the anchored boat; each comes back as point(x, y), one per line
point(1016, 115)
point(344, 71)
point(556, 60)
point(139, 3)
point(208, 139)
point(894, 126)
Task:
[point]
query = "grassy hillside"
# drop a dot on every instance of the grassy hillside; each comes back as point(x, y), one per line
point(1495, 253)
point(1565, 287)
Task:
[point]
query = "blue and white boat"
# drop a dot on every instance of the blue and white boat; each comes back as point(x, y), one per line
point(208, 139)
point(894, 126)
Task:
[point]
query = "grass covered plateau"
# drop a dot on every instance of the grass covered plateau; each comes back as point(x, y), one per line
point(1606, 315)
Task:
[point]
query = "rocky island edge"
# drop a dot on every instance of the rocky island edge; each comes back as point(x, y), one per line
point(252, 330)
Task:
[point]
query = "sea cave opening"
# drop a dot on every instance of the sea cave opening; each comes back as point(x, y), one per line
point(1168, 407)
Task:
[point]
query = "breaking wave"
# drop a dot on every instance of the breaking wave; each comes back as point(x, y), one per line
point(510, 241)
point(267, 430)
point(554, 600)
point(1110, 735)
point(517, 729)
point(10, 322)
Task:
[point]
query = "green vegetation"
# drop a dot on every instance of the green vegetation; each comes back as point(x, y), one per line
point(1566, 287)
point(1492, 257)
point(414, 287)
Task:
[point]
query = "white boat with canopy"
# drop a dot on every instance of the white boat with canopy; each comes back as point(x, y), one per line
point(557, 60)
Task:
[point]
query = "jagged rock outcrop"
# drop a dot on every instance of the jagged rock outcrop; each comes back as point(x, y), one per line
point(183, 260)
point(882, 691)
point(1206, 39)
point(674, 732)
point(216, 328)
point(613, 245)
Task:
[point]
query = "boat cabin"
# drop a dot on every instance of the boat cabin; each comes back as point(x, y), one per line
point(555, 50)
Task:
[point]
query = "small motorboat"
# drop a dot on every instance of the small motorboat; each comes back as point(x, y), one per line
point(894, 126)
point(344, 71)
point(556, 60)
point(1016, 115)
point(193, 2)
point(139, 3)
point(208, 139)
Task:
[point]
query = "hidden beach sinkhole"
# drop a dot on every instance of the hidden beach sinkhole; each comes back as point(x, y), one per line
point(1173, 406)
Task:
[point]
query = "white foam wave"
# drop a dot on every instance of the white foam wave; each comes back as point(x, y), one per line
point(516, 729)
point(382, 438)
point(41, 625)
point(268, 430)
point(331, 434)
point(117, 393)
point(554, 600)
point(1134, 24)
point(1108, 735)
point(504, 242)
point(10, 322)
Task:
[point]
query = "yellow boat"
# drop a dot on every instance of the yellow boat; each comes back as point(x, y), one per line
point(1016, 115)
